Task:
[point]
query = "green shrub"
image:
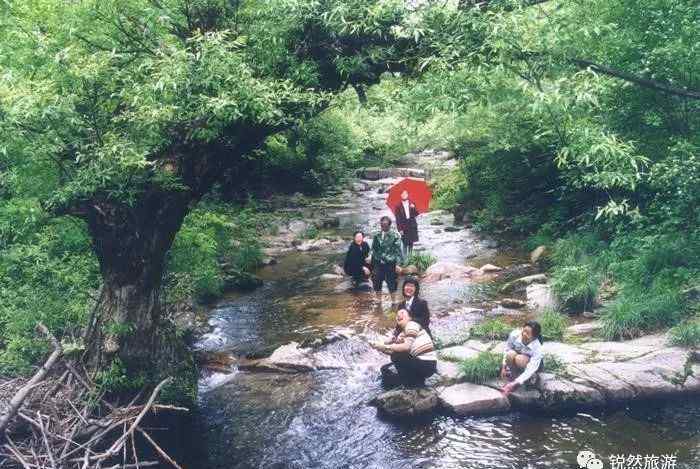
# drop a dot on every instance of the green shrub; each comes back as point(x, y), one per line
point(553, 324)
point(422, 260)
point(632, 315)
point(686, 334)
point(482, 368)
point(576, 286)
point(492, 329)
point(552, 364)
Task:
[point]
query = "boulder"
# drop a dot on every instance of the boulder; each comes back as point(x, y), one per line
point(313, 245)
point(406, 402)
point(297, 227)
point(560, 394)
point(473, 399)
point(584, 328)
point(328, 222)
point(330, 277)
point(289, 358)
point(452, 229)
point(269, 261)
point(444, 270)
point(566, 353)
point(458, 353)
point(539, 254)
point(490, 268)
point(359, 186)
point(447, 373)
point(521, 283)
point(540, 297)
point(512, 303)
point(437, 221)
point(337, 270)
point(409, 270)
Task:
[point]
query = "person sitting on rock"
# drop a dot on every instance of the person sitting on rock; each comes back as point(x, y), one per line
point(386, 256)
point(357, 259)
point(522, 356)
point(412, 352)
point(417, 307)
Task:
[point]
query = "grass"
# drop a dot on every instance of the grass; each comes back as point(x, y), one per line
point(553, 324)
point(633, 315)
point(492, 329)
point(422, 260)
point(686, 334)
point(552, 364)
point(482, 368)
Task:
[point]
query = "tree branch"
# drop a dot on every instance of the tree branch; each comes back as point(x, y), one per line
point(643, 82)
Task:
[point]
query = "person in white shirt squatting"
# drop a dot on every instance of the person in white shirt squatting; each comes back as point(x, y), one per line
point(523, 356)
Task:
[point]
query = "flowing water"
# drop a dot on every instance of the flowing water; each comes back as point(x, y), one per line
point(322, 420)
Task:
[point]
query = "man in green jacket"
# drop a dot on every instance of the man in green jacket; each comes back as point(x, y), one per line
point(386, 255)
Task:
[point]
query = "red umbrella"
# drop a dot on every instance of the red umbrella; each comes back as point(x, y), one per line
point(418, 192)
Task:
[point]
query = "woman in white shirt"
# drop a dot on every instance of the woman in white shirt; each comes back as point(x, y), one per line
point(522, 356)
point(412, 351)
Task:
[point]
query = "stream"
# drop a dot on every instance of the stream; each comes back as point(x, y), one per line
point(321, 419)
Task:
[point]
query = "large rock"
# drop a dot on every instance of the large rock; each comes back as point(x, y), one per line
point(444, 270)
point(539, 254)
point(521, 283)
point(289, 358)
point(458, 353)
point(566, 353)
point(406, 402)
point(560, 394)
point(313, 245)
point(584, 328)
point(540, 297)
point(473, 399)
point(297, 227)
point(374, 174)
point(490, 268)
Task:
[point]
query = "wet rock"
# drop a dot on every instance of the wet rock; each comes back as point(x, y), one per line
point(540, 297)
point(447, 373)
point(269, 261)
point(490, 268)
point(560, 394)
point(337, 270)
point(290, 358)
point(512, 303)
point(452, 229)
point(502, 311)
point(374, 174)
point(359, 186)
point(313, 245)
point(444, 270)
point(538, 254)
point(406, 402)
point(331, 277)
point(521, 283)
point(473, 399)
point(490, 243)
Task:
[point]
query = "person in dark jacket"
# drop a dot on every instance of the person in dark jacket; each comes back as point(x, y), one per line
point(357, 259)
point(406, 213)
point(417, 307)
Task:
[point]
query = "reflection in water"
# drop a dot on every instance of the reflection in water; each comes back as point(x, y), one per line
point(322, 420)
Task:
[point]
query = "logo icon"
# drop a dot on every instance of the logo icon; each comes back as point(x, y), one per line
point(587, 460)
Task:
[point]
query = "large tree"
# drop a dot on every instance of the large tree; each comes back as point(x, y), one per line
point(141, 106)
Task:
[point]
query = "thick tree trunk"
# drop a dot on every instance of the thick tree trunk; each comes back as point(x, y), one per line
point(131, 243)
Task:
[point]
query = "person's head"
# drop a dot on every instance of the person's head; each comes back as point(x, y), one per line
point(531, 331)
point(411, 287)
point(385, 223)
point(404, 195)
point(358, 237)
point(402, 318)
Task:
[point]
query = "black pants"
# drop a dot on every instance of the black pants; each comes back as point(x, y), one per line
point(385, 273)
point(412, 371)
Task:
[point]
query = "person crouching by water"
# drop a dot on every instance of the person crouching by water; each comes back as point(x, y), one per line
point(412, 352)
point(386, 256)
point(522, 356)
point(357, 259)
point(417, 307)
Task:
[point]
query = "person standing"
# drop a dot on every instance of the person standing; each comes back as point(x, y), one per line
point(406, 213)
point(417, 307)
point(356, 260)
point(386, 256)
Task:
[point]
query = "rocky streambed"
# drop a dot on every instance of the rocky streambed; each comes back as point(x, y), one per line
point(291, 381)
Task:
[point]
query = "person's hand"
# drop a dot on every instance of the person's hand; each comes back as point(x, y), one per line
point(504, 372)
point(510, 387)
point(398, 269)
point(368, 259)
point(365, 270)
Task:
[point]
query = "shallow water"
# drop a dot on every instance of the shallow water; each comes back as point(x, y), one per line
point(322, 420)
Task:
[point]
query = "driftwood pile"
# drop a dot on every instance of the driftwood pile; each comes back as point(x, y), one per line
point(59, 419)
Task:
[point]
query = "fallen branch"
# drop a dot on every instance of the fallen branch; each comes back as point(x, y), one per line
point(21, 395)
